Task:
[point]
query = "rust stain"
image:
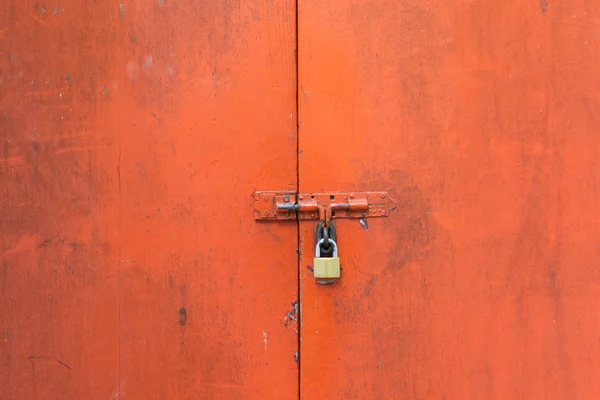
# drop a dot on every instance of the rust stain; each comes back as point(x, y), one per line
point(34, 358)
point(183, 317)
point(47, 92)
point(35, 18)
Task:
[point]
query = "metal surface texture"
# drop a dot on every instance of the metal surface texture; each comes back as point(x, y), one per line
point(481, 120)
point(134, 262)
point(131, 133)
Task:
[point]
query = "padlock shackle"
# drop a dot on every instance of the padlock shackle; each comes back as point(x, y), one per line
point(318, 248)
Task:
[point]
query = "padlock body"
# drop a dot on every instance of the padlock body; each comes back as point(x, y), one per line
point(327, 267)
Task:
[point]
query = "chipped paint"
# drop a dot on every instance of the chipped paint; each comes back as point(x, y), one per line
point(363, 222)
point(147, 62)
point(290, 320)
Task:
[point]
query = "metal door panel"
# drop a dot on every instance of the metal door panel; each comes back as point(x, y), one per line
point(480, 119)
point(133, 134)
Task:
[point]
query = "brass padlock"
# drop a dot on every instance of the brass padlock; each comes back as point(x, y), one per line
point(326, 269)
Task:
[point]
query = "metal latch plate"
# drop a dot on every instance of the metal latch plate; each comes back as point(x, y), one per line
point(283, 205)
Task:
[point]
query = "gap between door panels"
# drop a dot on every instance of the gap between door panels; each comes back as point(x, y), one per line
point(298, 242)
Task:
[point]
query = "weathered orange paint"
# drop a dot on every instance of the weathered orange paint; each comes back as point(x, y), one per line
point(133, 134)
point(481, 119)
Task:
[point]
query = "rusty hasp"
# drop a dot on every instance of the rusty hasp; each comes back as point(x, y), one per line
point(288, 205)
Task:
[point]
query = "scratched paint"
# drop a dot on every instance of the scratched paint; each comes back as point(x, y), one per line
point(57, 173)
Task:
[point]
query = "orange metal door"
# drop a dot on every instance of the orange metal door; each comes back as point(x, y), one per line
point(134, 133)
point(481, 119)
point(132, 136)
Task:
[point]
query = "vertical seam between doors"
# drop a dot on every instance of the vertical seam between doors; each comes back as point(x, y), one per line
point(298, 239)
point(120, 203)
